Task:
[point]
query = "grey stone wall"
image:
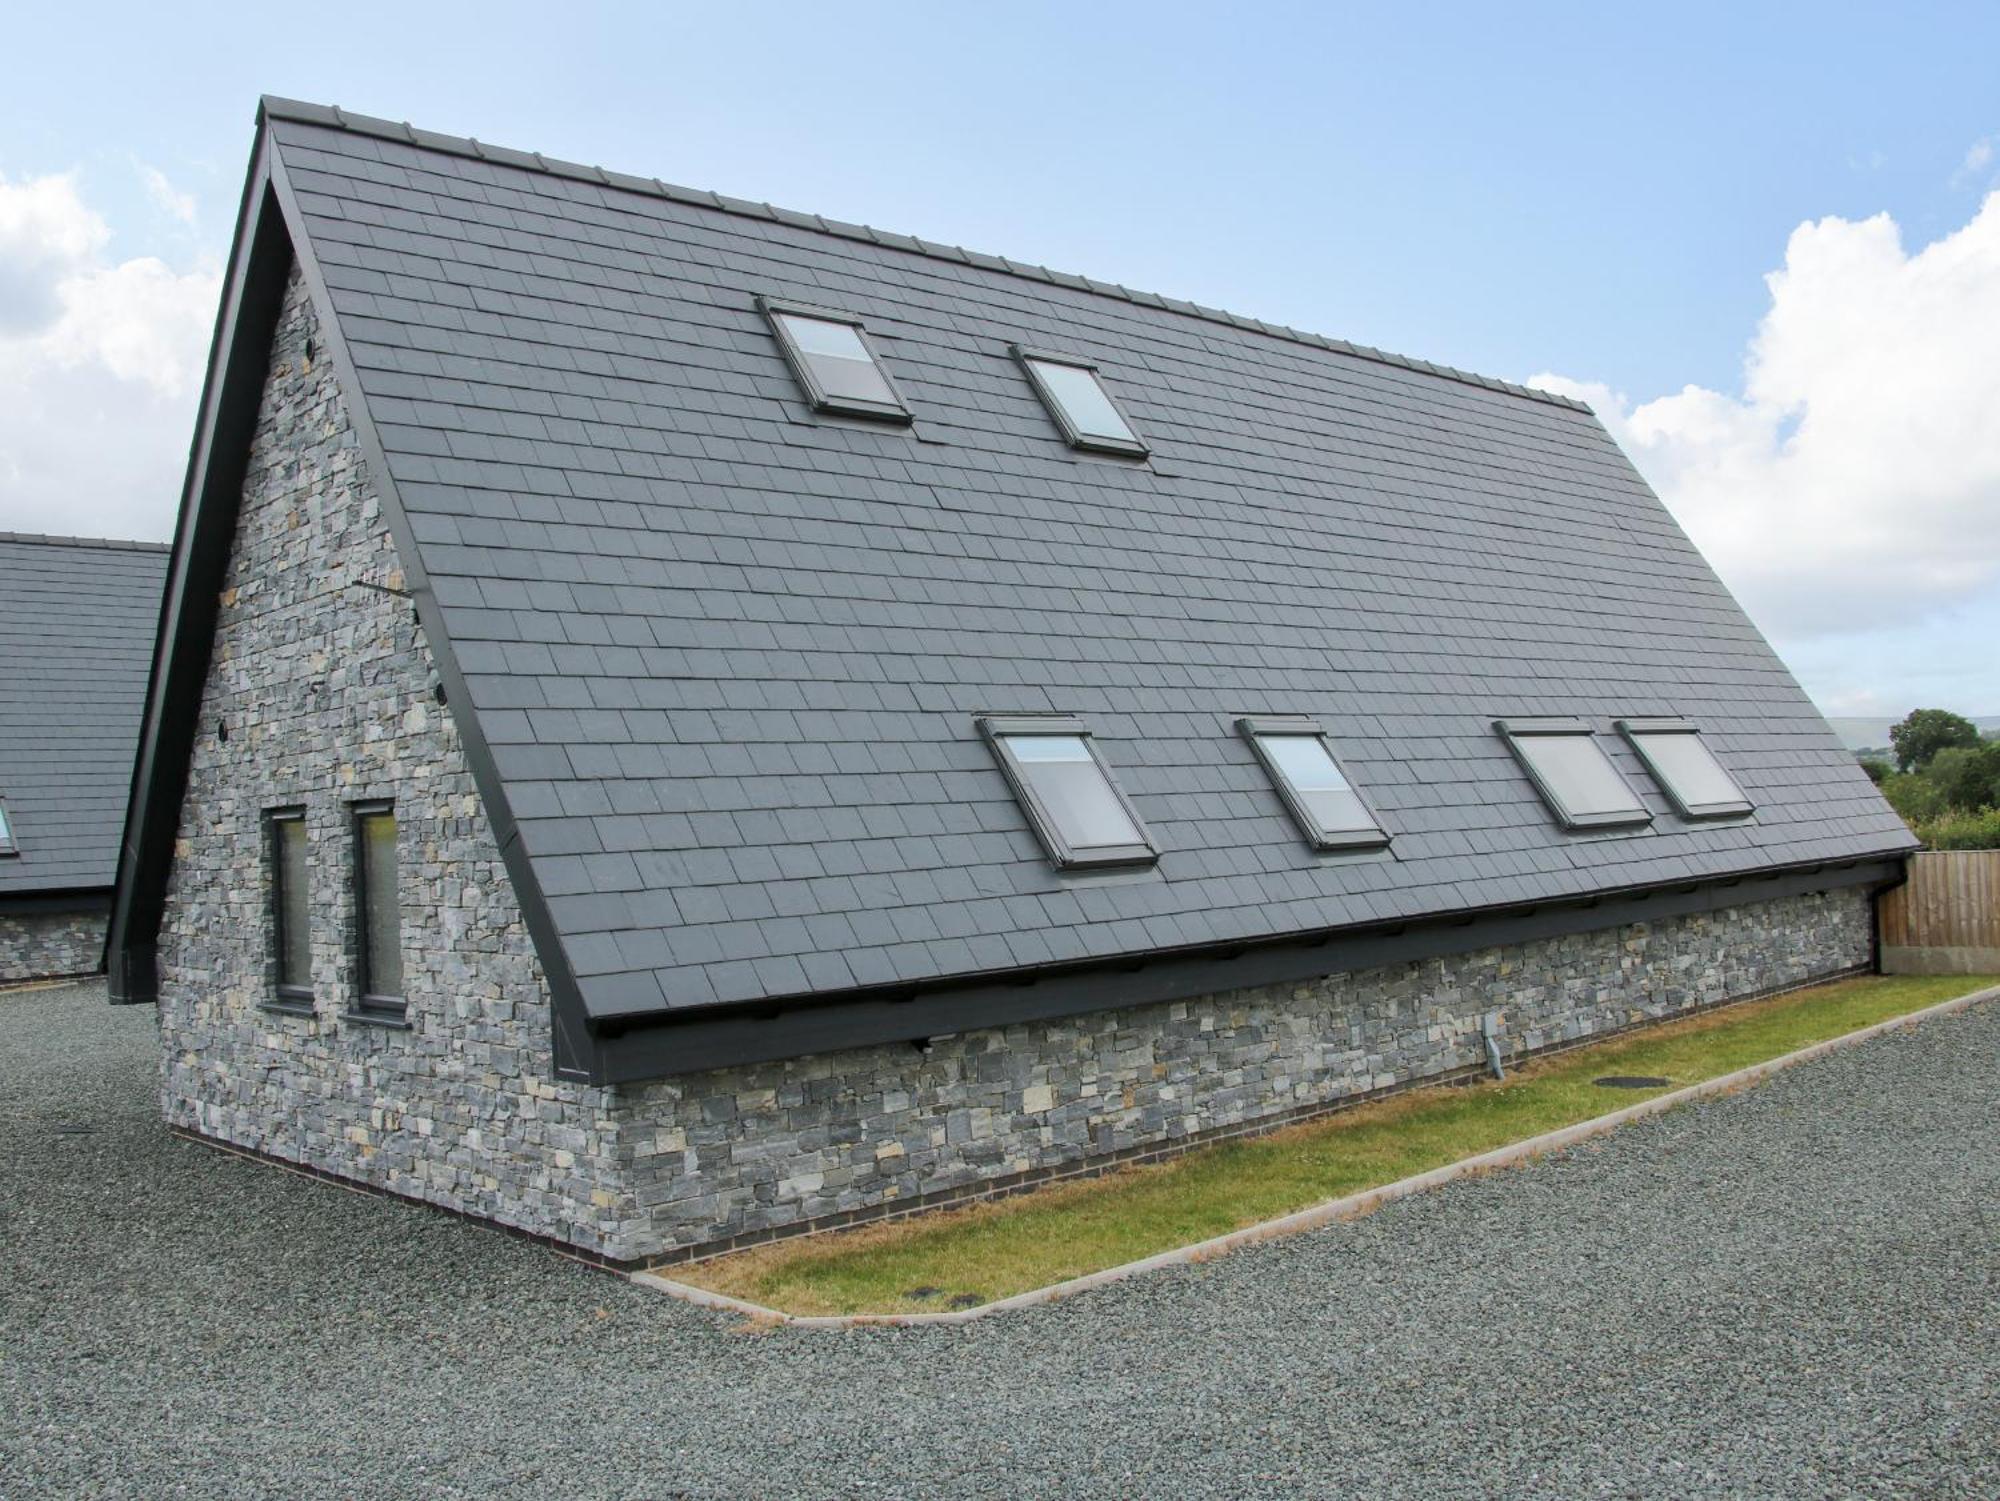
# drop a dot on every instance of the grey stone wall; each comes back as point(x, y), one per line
point(43, 945)
point(324, 689)
point(749, 1150)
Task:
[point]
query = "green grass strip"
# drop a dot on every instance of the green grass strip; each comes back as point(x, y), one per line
point(974, 1254)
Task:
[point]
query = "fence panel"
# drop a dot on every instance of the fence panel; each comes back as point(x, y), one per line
point(1946, 919)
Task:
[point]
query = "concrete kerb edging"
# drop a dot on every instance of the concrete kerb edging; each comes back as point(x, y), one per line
point(1350, 1207)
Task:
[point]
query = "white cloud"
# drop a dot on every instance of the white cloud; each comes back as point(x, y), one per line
point(1855, 482)
point(169, 199)
point(1978, 157)
point(100, 362)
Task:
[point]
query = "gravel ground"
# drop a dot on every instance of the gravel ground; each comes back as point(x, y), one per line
point(1794, 1292)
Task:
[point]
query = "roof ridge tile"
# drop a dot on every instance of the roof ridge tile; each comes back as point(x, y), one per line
point(275, 107)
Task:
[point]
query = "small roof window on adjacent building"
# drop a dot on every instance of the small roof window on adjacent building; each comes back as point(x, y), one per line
point(1078, 812)
point(1322, 802)
point(7, 845)
point(1685, 768)
point(1572, 773)
point(830, 354)
point(1082, 408)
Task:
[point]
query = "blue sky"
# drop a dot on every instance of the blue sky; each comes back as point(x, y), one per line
point(1594, 194)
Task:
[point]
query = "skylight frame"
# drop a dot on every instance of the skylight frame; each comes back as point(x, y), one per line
point(1256, 728)
point(1513, 731)
point(1134, 448)
point(1636, 732)
point(999, 729)
point(9, 849)
point(821, 400)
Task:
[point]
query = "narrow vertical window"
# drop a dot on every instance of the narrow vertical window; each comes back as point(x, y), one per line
point(1318, 795)
point(1082, 408)
point(1075, 808)
point(830, 354)
point(285, 832)
point(378, 911)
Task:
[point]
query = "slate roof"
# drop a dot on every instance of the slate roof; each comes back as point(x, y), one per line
point(728, 655)
point(77, 617)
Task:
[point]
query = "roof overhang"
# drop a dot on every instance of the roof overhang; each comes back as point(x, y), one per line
point(655, 1047)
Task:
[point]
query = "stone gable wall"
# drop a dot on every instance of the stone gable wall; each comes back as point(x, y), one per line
point(323, 686)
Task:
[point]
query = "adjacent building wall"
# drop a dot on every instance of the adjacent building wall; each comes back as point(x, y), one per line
point(320, 694)
point(44, 945)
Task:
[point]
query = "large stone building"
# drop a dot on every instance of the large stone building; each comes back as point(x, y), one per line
point(680, 721)
point(77, 618)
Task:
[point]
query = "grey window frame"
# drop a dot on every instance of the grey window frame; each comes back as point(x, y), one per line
point(1635, 731)
point(9, 847)
point(368, 1005)
point(1072, 434)
point(1254, 728)
point(1512, 731)
point(284, 996)
point(995, 728)
point(776, 309)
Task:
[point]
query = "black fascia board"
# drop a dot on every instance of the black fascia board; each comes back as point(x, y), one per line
point(717, 1037)
point(269, 237)
point(238, 361)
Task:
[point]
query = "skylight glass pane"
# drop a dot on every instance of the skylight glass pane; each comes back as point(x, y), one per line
point(1303, 761)
point(288, 836)
point(1082, 399)
point(382, 940)
point(6, 833)
point(1579, 774)
point(838, 359)
point(1689, 769)
point(1072, 789)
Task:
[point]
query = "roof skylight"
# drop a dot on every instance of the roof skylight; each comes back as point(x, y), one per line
point(830, 354)
point(7, 846)
point(1572, 773)
point(1078, 812)
point(1685, 768)
point(1082, 408)
point(1318, 795)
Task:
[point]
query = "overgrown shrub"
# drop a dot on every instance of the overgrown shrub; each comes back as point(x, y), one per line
point(1960, 831)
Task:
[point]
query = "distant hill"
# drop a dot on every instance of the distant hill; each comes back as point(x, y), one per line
point(1868, 734)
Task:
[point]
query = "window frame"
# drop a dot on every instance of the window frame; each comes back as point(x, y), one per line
point(10, 849)
point(368, 1003)
point(776, 310)
point(1513, 731)
point(1135, 448)
point(286, 996)
point(1254, 728)
point(997, 728)
point(1635, 732)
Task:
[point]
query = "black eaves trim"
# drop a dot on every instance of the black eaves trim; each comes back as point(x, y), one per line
point(659, 1047)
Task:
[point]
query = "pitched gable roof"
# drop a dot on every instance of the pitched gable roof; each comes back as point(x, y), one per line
point(77, 617)
point(722, 658)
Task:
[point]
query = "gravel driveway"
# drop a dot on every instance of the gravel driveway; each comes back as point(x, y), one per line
point(1794, 1292)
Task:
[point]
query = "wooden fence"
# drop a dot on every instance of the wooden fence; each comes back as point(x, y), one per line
point(1946, 919)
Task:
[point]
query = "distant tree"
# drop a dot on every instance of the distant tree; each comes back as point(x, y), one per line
point(1925, 733)
point(1966, 777)
point(1876, 768)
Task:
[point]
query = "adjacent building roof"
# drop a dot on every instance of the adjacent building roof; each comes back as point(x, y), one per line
point(720, 659)
point(77, 617)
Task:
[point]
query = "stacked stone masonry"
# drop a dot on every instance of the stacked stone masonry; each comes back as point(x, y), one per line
point(324, 687)
point(50, 945)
